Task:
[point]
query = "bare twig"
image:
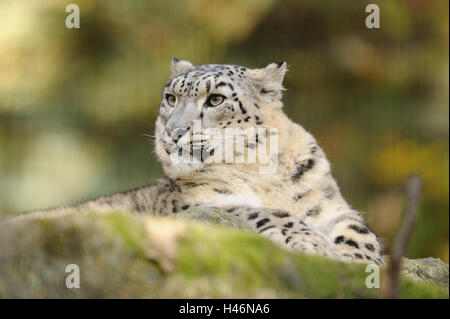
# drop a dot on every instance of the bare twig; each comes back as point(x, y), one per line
point(413, 191)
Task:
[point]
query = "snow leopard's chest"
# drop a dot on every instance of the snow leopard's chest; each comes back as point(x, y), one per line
point(312, 198)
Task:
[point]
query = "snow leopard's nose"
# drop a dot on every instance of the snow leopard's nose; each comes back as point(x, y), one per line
point(176, 133)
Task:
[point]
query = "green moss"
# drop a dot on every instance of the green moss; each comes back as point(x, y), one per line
point(215, 250)
point(211, 261)
point(419, 290)
point(58, 237)
point(129, 229)
point(250, 262)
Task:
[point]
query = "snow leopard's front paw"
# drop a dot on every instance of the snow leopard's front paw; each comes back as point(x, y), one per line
point(288, 231)
point(307, 240)
point(355, 241)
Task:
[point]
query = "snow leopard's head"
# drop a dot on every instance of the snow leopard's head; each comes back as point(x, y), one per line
point(201, 104)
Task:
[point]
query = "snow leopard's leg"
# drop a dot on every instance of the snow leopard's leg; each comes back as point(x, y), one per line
point(286, 230)
point(353, 239)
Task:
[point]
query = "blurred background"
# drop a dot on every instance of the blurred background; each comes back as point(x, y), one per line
point(75, 104)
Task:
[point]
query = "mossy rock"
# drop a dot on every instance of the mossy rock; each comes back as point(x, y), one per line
point(432, 270)
point(133, 256)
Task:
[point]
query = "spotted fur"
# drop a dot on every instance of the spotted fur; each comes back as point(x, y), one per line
point(299, 206)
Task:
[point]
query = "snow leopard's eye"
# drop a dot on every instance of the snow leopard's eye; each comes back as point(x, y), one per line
point(215, 100)
point(171, 99)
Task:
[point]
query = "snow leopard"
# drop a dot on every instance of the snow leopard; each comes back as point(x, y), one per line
point(297, 204)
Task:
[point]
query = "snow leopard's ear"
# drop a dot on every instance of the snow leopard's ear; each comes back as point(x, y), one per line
point(179, 66)
point(269, 80)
